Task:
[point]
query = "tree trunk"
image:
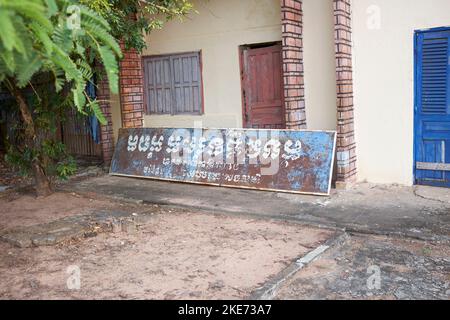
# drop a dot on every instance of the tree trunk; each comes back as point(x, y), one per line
point(42, 182)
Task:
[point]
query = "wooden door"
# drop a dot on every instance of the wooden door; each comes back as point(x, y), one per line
point(432, 110)
point(262, 87)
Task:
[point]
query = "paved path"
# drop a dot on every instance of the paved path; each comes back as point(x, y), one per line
point(422, 213)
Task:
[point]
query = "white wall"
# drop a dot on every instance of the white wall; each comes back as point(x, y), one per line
point(116, 115)
point(220, 28)
point(218, 31)
point(319, 64)
point(384, 86)
point(383, 70)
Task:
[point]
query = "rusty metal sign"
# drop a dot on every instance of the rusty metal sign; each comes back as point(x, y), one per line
point(275, 160)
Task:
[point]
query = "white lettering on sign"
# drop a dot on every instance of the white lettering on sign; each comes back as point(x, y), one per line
point(292, 151)
point(236, 145)
point(271, 149)
point(132, 143)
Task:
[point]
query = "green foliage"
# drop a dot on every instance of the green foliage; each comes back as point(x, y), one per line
point(59, 163)
point(22, 160)
point(41, 37)
point(48, 53)
point(49, 109)
point(130, 18)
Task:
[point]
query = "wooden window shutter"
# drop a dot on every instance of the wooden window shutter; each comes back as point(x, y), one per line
point(159, 85)
point(434, 78)
point(174, 84)
point(187, 83)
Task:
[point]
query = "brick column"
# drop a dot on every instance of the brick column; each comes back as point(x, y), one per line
point(293, 73)
point(131, 89)
point(346, 155)
point(107, 136)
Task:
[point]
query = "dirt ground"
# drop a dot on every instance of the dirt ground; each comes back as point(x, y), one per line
point(407, 269)
point(175, 255)
point(187, 254)
point(21, 210)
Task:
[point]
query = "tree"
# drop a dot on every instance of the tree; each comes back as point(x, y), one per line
point(131, 19)
point(45, 50)
point(49, 50)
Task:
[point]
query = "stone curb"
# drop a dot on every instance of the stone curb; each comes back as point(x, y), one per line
point(75, 227)
point(270, 288)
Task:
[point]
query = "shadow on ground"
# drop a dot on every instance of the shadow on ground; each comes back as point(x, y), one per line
point(423, 213)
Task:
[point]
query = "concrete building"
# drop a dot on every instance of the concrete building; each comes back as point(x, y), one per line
point(376, 71)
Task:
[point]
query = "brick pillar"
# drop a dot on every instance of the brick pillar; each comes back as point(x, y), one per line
point(107, 136)
point(131, 89)
point(346, 155)
point(293, 73)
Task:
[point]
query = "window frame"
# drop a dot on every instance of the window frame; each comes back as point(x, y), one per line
point(173, 112)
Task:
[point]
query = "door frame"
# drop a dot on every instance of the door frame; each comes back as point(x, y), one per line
point(241, 50)
point(417, 92)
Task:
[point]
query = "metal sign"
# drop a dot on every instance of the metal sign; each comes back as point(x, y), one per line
point(274, 160)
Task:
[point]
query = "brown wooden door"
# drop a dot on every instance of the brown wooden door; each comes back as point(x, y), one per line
point(262, 87)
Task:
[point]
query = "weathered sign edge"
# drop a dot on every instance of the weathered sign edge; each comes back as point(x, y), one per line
point(237, 187)
point(221, 185)
point(332, 161)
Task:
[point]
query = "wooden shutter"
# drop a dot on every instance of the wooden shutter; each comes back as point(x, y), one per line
point(434, 75)
point(159, 85)
point(187, 83)
point(173, 84)
point(432, 112)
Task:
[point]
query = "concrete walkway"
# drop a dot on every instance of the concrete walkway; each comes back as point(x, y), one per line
point(419, 212)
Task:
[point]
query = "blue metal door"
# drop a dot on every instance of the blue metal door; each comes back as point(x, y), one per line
point(432, 108)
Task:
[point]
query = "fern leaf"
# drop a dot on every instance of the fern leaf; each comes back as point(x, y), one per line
point(58, 74)
point(8, 60)
point(52, 7)
point(88, 13)
point(30, 9)
point(102, 35)
point(27, 69)
point(85, 69)
point(42, 36)
point(79, 98)
point(8, 35)
point(66, 64)
point(97, 111)
point(62, 37)
point(112, 70)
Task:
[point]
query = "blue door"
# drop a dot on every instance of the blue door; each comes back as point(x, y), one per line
point(432, 108)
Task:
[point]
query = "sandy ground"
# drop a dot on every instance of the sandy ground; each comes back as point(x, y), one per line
point(18, 210)
point(174, 256)
point(407, 269)
point(182, 254)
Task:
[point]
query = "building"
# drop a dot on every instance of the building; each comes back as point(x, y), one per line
point(376, 71)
